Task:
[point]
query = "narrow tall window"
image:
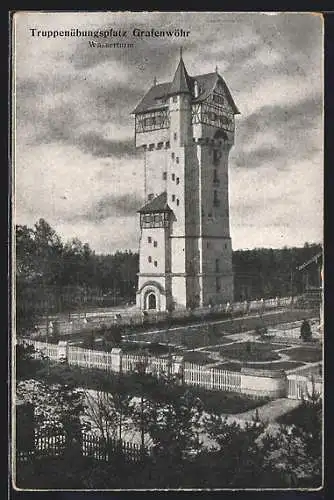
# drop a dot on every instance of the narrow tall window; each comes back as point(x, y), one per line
point(164, 176)
point(155, 243)
point(218, 285)
point(217, 265)
point(177, 160)
point(155, 263)
point(173, 177)
point(178, 202)
point(177, 180)
point(215, 176)
point(149, 239)
point(173, 156)
point(175, 136)
point(173, 197)
point(149, 259)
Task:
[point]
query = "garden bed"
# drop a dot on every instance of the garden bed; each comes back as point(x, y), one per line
point(306, 354)
point(249, 351)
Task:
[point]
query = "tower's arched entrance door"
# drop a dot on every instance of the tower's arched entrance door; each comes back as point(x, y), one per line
point(151, 301)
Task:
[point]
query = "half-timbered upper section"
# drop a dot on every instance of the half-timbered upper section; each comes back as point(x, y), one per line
point(156, 213)
point(210, 99)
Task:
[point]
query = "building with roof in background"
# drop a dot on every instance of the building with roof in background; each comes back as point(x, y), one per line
point(185, 129)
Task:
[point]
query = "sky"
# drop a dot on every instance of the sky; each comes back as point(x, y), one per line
point(75, 164)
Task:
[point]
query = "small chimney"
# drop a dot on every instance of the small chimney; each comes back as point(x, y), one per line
point(150, 196)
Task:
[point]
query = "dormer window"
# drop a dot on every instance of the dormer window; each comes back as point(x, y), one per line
point(196, 89)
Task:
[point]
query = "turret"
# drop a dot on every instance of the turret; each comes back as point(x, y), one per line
point(180, 95)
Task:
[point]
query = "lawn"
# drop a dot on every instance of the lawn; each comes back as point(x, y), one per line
point(280, 365)
point(198, 357)
point(153, 348)
point(231, 366)
point(306, 354)
point(200, 334)
point(249, 351)
point(212, 334)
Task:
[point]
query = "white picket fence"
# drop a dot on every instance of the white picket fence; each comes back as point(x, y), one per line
point(108, 361)
point(193, 374)
point(49, 350)
point(296, 383)
point(152, 365)
point(94, 319)
point(303, 380)
point(87, 358)
point(211, 378)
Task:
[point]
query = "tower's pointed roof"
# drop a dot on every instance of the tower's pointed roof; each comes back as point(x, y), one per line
point(157, 96)
point(181, 83)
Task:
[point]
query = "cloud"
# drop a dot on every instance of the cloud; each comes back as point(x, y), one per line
point(96, 145)
point(286, 205)
point(112, 206)
point(76, 164)
point(279, 135)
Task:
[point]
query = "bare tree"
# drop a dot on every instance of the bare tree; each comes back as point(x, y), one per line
point(108, 412)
